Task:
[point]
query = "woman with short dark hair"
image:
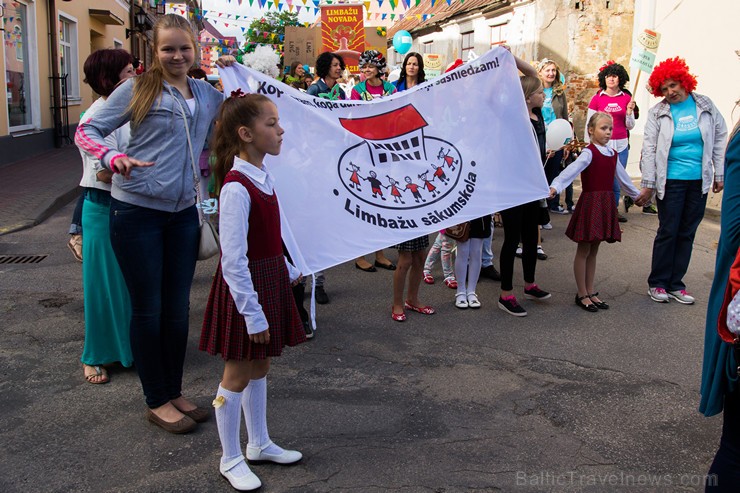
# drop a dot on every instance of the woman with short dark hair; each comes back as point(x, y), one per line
point(107, 304)
point(329, 68)
point(614, 99)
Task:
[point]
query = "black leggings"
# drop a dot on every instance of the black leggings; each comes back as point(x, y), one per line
point(724, 474)
point(520, 222)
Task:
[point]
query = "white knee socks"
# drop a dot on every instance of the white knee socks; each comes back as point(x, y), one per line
point(254, 404)
point(228, 422)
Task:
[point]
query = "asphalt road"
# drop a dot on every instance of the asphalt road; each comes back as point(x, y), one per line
point(562, 400)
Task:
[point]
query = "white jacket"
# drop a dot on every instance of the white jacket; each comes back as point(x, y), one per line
point(659, 135)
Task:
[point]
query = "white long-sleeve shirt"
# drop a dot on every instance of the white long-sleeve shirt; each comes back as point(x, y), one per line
point(233, 229)
point(90, 164)
point(574, 169)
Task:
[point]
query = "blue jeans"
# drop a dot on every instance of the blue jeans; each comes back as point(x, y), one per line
point(679, 213)
point(623, 161)
point(157, 252)
point(487, 253)
point(75, 227)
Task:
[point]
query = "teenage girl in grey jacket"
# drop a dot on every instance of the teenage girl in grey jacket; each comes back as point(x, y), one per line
point(154, 221)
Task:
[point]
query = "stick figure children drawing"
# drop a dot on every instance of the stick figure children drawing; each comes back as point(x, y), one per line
point(414, 189)
point(428, 184)
point(395, 192)
point(439, 172)
point(375, 185)
point(354, 180)
point(447, 159)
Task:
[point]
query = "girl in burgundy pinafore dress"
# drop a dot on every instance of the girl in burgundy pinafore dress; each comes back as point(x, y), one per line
point(595, 217)
point(251, 313)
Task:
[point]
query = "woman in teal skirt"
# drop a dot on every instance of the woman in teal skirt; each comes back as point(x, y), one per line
point(720, 392)
point(107, 304)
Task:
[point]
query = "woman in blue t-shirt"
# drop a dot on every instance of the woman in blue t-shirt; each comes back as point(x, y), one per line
point(682, 159)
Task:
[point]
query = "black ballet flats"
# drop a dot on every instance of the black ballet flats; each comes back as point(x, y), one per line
point(589, 308)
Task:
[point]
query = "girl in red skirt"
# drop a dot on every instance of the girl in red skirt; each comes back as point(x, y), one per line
point(595, 218)
point(251, 314)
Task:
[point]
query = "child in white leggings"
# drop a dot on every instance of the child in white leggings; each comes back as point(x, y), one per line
point(468, 263)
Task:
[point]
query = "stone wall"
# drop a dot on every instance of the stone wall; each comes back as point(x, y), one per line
point(580, 36)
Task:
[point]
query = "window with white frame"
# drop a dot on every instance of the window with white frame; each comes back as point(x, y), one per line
point(466, 45)
point(427, 47)
point(21, 78)
point(68, 59)
point(117, 44)
point(498, 35)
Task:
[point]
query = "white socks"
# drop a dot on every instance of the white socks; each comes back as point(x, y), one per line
point(228, 422)
point(254, 404)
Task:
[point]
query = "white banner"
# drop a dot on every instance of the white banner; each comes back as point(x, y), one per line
point(355, 177)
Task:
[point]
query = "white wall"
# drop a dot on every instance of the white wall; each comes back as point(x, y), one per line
point(705, 34)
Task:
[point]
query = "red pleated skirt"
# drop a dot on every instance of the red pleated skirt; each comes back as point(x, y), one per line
point(224, 329)
point(595, 218)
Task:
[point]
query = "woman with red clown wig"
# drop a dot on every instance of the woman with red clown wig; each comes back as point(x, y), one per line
point(617, 101)
point(682, 159)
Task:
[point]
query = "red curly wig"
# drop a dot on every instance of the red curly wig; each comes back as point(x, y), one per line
point(672, 68)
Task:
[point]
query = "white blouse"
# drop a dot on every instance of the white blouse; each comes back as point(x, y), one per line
point(574, 169)
point(234, 208)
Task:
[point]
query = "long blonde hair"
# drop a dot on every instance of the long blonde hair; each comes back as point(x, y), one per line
point(148, 86)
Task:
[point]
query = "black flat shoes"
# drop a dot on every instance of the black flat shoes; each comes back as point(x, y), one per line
point(388, 266)
point(366, 269)
point(591, 307)
point(601, 305)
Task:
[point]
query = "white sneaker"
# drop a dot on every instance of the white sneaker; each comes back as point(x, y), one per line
point(682, 296)
point(461, 301)
point(248, 482)
point(658, 294)
point(547, 226)
point(518, 252)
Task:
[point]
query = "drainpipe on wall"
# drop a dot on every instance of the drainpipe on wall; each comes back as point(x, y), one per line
point(134, 34)
point(56, 90)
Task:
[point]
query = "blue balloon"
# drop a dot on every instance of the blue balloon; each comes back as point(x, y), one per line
point(402, 42)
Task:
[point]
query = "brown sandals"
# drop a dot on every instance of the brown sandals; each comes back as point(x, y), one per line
point(101, 375)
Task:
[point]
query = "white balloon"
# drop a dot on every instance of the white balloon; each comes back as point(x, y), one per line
point(394, 75)
point(559, 133)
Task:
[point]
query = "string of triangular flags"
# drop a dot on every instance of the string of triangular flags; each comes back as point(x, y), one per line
point(279, 4)
point(12, 36)
point(228, 19)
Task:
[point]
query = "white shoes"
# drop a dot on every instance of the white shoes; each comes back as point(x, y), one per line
point(257, 455)
point(473, 300)
point(248, 482)
point(461, 301)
